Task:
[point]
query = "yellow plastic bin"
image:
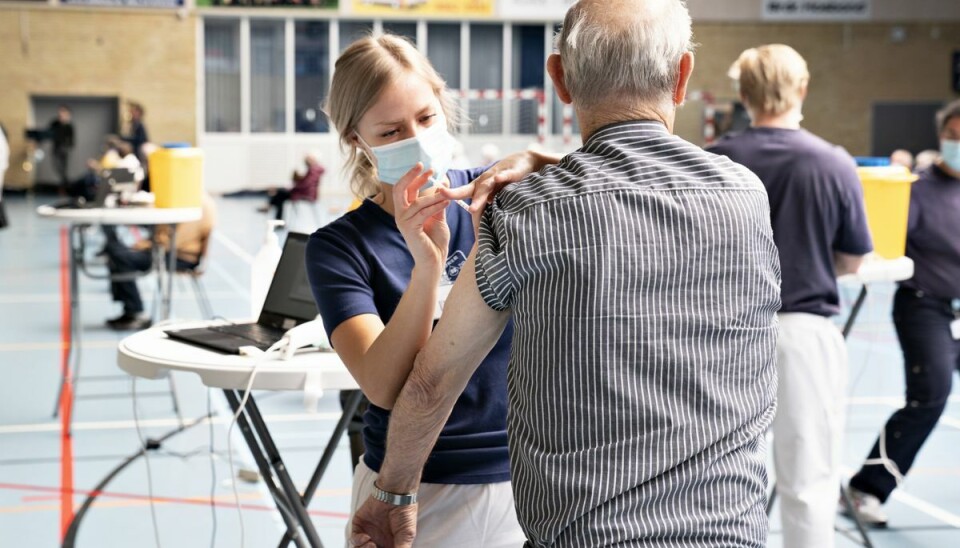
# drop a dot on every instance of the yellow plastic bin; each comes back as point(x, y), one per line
point(176, 176)
point(886, 194)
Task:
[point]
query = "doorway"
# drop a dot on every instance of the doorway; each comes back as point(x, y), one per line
point(93, 119)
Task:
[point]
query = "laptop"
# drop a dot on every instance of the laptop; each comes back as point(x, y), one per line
point(289, 303)
point(111, 181)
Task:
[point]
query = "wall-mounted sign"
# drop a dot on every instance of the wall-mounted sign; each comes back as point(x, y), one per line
point(817, 10)
point(550, 10)
point(324, 4)
point(423, 7)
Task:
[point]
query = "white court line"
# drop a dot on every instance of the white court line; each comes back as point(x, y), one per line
point(156, 423)
point(233, 247)
point(927, 508)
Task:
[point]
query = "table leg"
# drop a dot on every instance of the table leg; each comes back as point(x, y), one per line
point(855, 311)
point(348, 410)
point(167, 294)
point(233, 398)
point(273, 454)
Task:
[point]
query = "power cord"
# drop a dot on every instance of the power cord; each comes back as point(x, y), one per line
point(146, 446)
point(275, 347)
point(213, 472)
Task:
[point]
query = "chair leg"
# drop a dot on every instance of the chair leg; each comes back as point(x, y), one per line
point(202, 300)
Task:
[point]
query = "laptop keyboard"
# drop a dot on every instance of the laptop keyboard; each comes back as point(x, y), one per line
point(263, 335)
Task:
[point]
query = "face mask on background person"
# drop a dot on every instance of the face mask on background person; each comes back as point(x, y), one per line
point(950, 152)
point(433, 147)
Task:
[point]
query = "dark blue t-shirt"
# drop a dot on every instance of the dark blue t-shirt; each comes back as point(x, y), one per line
point(816, 208)
point(933, 236)
point(360, 264)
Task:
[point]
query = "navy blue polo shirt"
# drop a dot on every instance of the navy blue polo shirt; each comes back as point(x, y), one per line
point(360, 264)
point(816, 208)
point(933, 236)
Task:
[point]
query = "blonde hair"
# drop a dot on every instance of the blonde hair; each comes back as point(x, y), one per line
point(360, 75)
point(772, 78)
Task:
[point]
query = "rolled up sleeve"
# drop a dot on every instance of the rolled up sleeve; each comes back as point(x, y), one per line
point(496, 282)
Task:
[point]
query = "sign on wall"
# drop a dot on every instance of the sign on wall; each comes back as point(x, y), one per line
point(326, 4)
point(423, 7)
point(128, 3)
point(535, 9)
point(817, 10)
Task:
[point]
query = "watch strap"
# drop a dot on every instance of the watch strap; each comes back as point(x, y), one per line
point(393, 498)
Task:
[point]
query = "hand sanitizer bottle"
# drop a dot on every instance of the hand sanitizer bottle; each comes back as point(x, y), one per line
point(264, 265)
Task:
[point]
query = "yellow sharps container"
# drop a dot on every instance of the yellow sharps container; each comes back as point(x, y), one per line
point(176, 176)
point(886, 194)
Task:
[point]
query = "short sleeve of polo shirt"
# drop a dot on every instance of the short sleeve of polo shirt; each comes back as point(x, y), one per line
point(495, 280)
point(338, 279)
point(853, 234)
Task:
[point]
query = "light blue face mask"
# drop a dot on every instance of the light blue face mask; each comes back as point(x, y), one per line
point(950, 152)
point(433, 147)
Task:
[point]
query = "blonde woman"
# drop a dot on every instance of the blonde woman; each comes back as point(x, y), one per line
point(380, 275)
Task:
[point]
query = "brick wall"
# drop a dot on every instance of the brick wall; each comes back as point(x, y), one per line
point(851, 66)
point(136, 54)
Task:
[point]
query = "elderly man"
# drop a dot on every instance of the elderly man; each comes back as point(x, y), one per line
point(643, 280)
point(820, 228)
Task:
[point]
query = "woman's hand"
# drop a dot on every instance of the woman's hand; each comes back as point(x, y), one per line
point(421, 219)
point(482, 190)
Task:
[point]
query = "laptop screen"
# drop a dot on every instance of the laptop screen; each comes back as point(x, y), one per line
point(289, 297)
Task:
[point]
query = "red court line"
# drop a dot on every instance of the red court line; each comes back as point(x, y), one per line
point(175, 500)
point(66, 395)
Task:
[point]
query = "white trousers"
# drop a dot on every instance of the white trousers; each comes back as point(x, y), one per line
point(461, 516)
point(808, 428)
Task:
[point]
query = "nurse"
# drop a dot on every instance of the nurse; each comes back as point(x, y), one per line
point(380, 275)
point(926, 313)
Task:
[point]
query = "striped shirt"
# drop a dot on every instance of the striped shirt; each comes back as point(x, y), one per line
point(644, 282)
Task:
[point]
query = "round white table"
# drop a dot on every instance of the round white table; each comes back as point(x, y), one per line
point(151, 354)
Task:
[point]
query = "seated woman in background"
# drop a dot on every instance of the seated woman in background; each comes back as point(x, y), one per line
point(380, 275)
point(305, 187)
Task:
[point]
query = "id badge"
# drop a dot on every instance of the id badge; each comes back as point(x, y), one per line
point(955, 329)
point(443, 291)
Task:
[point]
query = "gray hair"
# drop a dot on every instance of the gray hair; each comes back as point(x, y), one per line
point(947, 113)
point(607, 55)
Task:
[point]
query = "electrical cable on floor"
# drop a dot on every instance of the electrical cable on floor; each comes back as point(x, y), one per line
point(70, 538)
point(243, 403)
point(146, 459)
point(213, 472)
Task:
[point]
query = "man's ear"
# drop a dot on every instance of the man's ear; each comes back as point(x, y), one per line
point(555, 70)
point(685, 69)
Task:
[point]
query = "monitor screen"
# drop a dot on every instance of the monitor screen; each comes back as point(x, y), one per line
point(289, 295)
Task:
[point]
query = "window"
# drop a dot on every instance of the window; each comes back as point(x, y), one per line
point(407, 30)
point(443, 50)
point(267, 89)
point(486, 73)
point(312, 75)
point(527, 61)
point(221, 67)
point(351, 31)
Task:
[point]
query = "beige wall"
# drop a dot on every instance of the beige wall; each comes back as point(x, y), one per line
point(135, 54)
point(852, 66)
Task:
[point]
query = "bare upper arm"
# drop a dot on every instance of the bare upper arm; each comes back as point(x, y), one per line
point(845, 263)
point(352, 339)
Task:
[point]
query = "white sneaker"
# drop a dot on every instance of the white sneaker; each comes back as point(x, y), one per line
point(868, 507)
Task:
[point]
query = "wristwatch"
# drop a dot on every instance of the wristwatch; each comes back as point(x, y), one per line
point(393, 498)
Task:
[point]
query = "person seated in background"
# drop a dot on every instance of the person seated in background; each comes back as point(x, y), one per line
point(121, 259)
point(901, 157)
point(305, 187)
point(118, 154)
